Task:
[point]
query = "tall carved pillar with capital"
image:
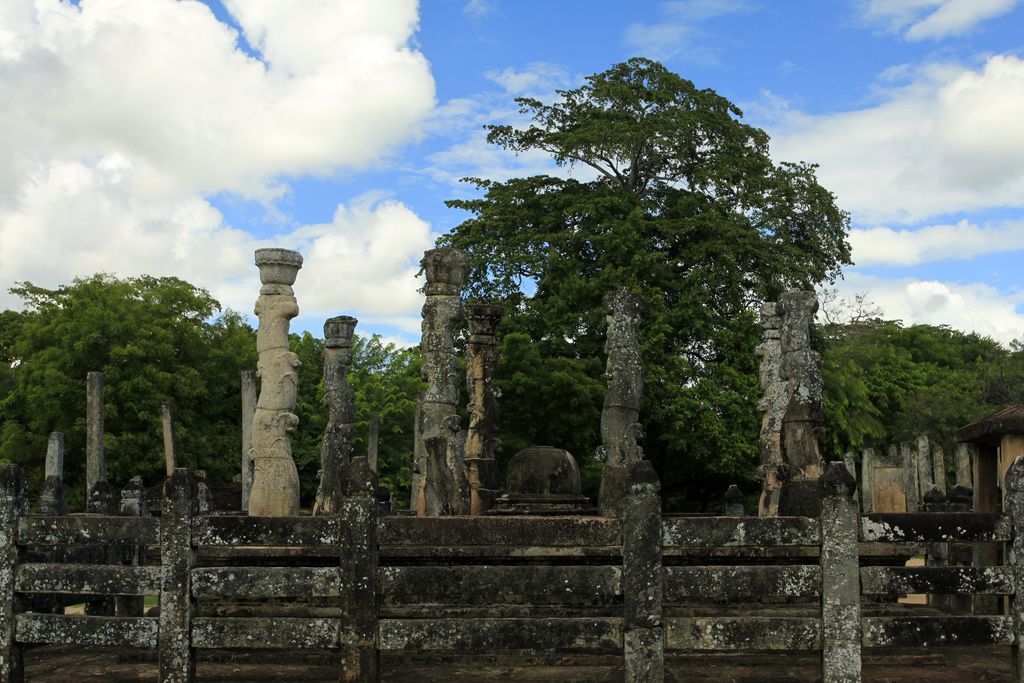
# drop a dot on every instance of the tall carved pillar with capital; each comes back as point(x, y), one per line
point(481, 436)
point(275, 482)
point(440, 481)
point(774, 399)
point(336, 450)
point(620, 426)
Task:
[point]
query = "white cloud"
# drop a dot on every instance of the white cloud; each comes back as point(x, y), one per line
point(933, 19)
point(164, 84)
point(972, 307)
point(122, 117)
point(679, 33)
point(963, 240)
point(539, 77)
point(478, 8)
point(951, 139)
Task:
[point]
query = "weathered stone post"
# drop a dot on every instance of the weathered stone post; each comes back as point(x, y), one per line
point(357, 516)
point(1014, 506)
point(177, 658)
point(965, 454)
point(51, 498)
point(641, 577)
point(910, 475)
point(802, 424)
point(923, 461)
point(734, 501)
point(939, 467)
point(620, 417)
point(336, 450)
point(275, 484)
point(101, 499)
point(772, 404)
point(248, 414)
point(95, 452)
point(481, 436)
point(170, 453)
point(840, 577)
point(867, 478)
point(440, 482)
point(13, 504)
point(133, 504)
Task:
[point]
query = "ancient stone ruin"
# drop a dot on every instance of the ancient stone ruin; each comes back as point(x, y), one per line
point(336, 450)
point(482, 434)
point(792, 426)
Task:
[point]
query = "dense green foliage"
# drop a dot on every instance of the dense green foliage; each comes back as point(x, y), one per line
point(153, 340)
point(687, 209)
point(886, 383)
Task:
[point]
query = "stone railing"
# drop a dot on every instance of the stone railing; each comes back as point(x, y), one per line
point(639, 587)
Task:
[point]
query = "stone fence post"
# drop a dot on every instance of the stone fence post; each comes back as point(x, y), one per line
point(13, 504)
point(840, 577)
point(1014, 506)
point(357, 519)
point(641, 577)
point(177, 658)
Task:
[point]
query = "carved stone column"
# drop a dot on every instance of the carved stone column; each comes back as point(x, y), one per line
point(774, 398)
point(803, 422)
point(275, 484)
point(481, 436)
point(620, 426)
point(440, 480)
point(336, 450)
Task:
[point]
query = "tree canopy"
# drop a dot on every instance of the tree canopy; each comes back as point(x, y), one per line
point(678, 200)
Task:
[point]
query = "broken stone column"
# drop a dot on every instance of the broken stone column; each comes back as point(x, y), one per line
point(923, 463)
point(336, 449)
point(275, 484)
point(248, 414)
point(867, 478)
point(51, 498)
point(840, 578)
point(177, 658)
point(910, 476)
point(939, 467)
point(773, 402)
point(170, 454)
point(965, 454)
point(481, 436)
point(620, 417)
point(95, 453)
point(802, 424)
point(440, 480)
point(133, 504)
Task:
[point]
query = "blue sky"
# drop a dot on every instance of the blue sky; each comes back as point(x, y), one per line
point(173, 138)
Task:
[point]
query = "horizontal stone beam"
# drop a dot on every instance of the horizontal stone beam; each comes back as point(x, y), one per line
point(929, 631)
point(87, 579)
point(88, 530)
point(598, 635)
point(934, 527)
point(738, 583)
point(266, 582)
point(264, 531)
point(77, 630)
point(266, 633)
point(731, 634)
point(708, 532)
point(941, 580)
point(496, 531)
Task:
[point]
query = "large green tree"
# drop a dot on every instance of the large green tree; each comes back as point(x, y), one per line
point(678, 200)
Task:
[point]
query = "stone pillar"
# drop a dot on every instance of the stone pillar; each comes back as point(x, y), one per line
point(939, 467)
point(965, 453)
point(910, 475)
point(170, 454)
point(55, 455)
point(177, 658)
point(851, 467)
point(802, 424)
point(52, 498)
point(101, 499)
point(204, 496)
point(336, 449)
point(440, 481)
point(1014, 507)
point(95, 453)
point(481, 436)
point(923, 462)
point(840, 577)
point(13, 504)
point(248, 414)
point(867, 478)
point(275, 483)
point(357, 514)
point(373, 442)
point(133, 504)
point(620, 417)
point(772, 404)
point(644, 646)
